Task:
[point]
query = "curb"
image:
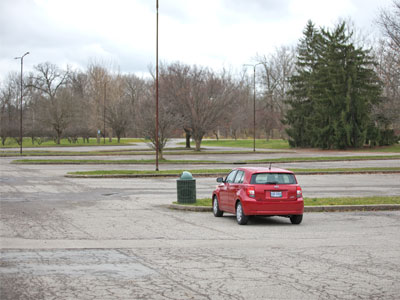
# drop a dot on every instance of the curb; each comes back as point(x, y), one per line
point(333, 208)
point(223, 174)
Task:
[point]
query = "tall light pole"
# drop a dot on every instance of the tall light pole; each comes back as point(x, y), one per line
point(157, 86)
point(104, 112)
point(254, 102)
point(22, 90)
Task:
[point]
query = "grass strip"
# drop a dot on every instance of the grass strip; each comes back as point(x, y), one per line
point(151, 161)
point(326, 201)
point(226, 171)
point(283, 144)
point(126, 152)
point(106, 162)
point(244, 143)
point(199, 202)
point(352, 201)
point(161, 172)
point(27, 143)
point(324, 158)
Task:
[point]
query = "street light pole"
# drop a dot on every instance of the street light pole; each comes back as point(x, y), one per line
point(254, 102)
point(104, 112)
point(20, 115)
point(157, 146)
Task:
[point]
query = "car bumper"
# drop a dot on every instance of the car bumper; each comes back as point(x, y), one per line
point(271, 208)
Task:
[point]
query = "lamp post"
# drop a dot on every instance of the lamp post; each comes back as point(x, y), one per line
point(157, 86)
point(104, 112)
point(20, 114)
point(254, 102)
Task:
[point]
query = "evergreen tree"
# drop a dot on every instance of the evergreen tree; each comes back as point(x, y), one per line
point(301, 93)
point(332, 92)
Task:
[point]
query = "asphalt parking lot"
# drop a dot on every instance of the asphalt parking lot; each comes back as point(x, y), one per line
point(64, 238)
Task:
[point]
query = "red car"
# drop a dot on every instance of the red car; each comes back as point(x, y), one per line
point(259, 192)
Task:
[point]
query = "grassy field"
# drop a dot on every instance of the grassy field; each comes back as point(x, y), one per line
point(327, 201)
point(27, 143)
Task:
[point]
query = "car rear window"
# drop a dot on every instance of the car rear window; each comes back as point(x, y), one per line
point(273, 178)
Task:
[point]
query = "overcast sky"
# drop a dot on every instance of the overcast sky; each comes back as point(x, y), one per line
point(214, 33)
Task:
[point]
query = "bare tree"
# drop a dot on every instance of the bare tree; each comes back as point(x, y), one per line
point(278, 67)
point(388, 68)
point(200, 99)
point(147, 123)
point(122, 95)
point(56, 108)
point(9, 108)
point(81, 124)
point(98, 77)
point(389, 20)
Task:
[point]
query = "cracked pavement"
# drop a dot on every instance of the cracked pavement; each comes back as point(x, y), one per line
point(65, 238)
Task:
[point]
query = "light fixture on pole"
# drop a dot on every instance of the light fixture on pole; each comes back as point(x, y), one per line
point(22, 90)
point(157, 142)
point(254, 102)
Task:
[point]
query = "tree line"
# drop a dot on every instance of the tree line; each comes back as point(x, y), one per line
point(328, 92)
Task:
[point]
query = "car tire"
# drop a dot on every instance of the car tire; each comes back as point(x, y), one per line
point(296, 219)
point(241, 218)
point(216, 211)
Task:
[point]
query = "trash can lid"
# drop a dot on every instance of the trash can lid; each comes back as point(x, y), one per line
point(186, 176)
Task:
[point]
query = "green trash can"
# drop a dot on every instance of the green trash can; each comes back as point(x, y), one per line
point(186, 188)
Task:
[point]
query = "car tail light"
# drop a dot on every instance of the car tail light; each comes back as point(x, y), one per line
point(251, 191)
point(299, 192)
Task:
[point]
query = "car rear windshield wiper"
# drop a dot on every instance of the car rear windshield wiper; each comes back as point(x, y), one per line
point(272, 182)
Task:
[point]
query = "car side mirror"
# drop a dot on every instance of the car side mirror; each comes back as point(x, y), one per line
point(220, 179)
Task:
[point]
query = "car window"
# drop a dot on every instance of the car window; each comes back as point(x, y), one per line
point(273, 178)
point(239, 177)
point(231, 176)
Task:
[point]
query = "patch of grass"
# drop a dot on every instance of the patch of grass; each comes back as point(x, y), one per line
point(241, 143)
point(199, 202)
point(393, 148)
point(325, 158)
point(223, 171)
point(105, 162)
point(331, 201)
point(161, 172)
point(75, 153)
point(349, 170)
point(164, 161)
point(352, 201)
point(27, 143)
point(119, 152)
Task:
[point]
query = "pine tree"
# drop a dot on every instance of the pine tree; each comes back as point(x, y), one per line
point(302, 82)
point(332, 92)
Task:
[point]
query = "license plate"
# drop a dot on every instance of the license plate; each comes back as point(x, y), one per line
point(276, 194)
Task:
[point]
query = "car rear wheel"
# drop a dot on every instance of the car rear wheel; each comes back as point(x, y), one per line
point(296, 219)
point(241, 218)
point(216, 211)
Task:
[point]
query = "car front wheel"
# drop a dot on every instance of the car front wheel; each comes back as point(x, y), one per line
point(216, 211)
point(296, 219)
point(241, 218)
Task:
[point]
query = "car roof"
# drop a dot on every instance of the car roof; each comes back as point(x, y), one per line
point(254, 170)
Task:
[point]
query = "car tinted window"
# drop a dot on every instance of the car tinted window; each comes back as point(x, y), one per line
point(239, 177)
point(231, 176)
point(273, 178)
